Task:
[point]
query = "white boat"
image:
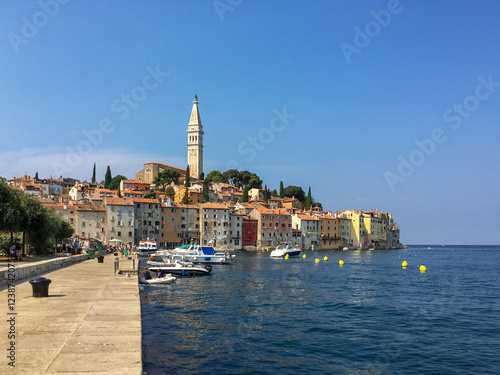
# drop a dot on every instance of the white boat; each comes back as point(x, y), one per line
point(345, 248)
point(285, 249)
point(180, 268)
point(196, 254)
point(147, 247)
point(145, 278)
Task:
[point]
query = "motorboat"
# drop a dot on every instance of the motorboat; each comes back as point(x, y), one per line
point(147, 247)
point(284, 249)
point(145, 278)
point(345, 248)
point(180, 268)
point(196, 254)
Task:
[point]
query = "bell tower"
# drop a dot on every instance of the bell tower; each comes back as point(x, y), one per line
point(195, 142)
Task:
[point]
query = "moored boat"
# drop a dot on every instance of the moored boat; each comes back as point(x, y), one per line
point(147, 247)
point(180, 268)
point(285, 249)
point(145, 278)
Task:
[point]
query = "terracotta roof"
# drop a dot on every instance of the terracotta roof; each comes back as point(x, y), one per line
point(146, 200)
point(89, 207)
point(214, 206)
point(165, 165)
point(267, 211)
point(119, 201)
point(306, 217)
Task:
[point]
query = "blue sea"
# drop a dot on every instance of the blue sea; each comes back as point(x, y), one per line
point(370, 316)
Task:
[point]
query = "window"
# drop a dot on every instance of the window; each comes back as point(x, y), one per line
point(119, 234)
point(83, 234)
point(83, 224)
point(130, 234)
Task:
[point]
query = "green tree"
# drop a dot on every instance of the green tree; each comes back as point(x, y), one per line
point(36, 176)
point(308, 201)
point(166, 177)
point(115, 182)
point(107, 178)
point(201, 176)
point(151, 195)
point(185, 198)
point(11, 210)
point(93, 175)
point(245, 194)
point(205, 195)
point(232, 177)
point(255, 182)
point(119, 192)
point(170, 192)
point(295, 191)
point(274, 193)
point(282, 190)
point(214, 176)
point(187, 182)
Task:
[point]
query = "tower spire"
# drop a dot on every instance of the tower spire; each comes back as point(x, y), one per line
point(195, 141)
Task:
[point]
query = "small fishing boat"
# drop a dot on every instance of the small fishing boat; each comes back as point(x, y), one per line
point(284, 249)
point(145, 278)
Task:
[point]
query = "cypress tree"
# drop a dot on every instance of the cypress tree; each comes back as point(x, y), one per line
point(245, 194)
point(185, 198)
point(36, 176)
point(107, 178)
point(282, 190)
point(93, 175)
point(186, 181)
point(206, 196)
point(308, 202)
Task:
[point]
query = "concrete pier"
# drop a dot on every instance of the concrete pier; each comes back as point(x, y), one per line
point(90, 323)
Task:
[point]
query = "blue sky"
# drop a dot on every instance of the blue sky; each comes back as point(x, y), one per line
point(383, 104)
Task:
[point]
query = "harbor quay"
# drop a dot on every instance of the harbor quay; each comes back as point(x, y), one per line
point(89, 323)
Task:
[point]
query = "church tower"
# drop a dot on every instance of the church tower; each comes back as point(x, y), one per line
point(195, 142)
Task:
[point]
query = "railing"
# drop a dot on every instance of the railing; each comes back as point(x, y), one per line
point(120, 262)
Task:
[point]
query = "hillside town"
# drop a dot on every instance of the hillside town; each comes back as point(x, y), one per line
point(199, 211)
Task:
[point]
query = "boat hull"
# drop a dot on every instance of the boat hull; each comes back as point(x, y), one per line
point(182, 271)
point(282, 254)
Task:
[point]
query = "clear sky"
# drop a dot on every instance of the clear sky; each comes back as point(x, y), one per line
point(392, 105)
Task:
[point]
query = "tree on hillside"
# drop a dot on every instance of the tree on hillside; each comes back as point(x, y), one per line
point(187, 179)
point(255, 182)
point(245, 194)
point(274, 193)
point(205, 195)
point(214, 176)
point(36, 176)
point(232, 177)
point(282, 190)
point(295, 191)
point(115, 182)
point(151, 195)
point(185, 198)
point(170, 192)
point(93, 175)
point(107, 178)
point(308, 201)
point(119, 192)
point(166, 177)
point(201, 176)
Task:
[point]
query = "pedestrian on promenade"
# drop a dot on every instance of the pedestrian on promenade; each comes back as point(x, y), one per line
point(13, 253)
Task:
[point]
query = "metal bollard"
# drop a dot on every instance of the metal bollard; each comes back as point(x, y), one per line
point(40, 286)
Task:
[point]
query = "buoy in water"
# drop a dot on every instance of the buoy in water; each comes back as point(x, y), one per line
point(341, 262)
point(325, 258)
point(287, 256)
point(304, 256)
point(317, 260)
point(422, 268)
point(404, 264)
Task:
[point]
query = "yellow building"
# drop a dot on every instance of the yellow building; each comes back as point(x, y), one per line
point(195, 197)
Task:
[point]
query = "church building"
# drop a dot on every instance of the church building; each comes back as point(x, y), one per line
point(195, 152)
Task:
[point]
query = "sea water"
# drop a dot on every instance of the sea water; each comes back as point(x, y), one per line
point(370, 316)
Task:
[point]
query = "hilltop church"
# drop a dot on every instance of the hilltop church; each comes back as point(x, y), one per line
point(195, 152)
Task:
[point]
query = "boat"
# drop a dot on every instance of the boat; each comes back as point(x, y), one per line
point(284, 249)
point(345, 249)
point(196, 254)
point(180, 268)
point(147, 247)
point(145, 278)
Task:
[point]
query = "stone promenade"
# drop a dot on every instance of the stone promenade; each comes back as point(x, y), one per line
point(90, 323)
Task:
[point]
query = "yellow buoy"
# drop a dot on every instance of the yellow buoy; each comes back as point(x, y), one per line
point(287, 256)
point(422, 268)
point(317, 260)
point(304, 256)
point(341, 262)
point(325, 258)
point(405, 263)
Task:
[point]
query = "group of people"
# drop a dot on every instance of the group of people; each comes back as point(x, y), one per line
point(127, 251)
